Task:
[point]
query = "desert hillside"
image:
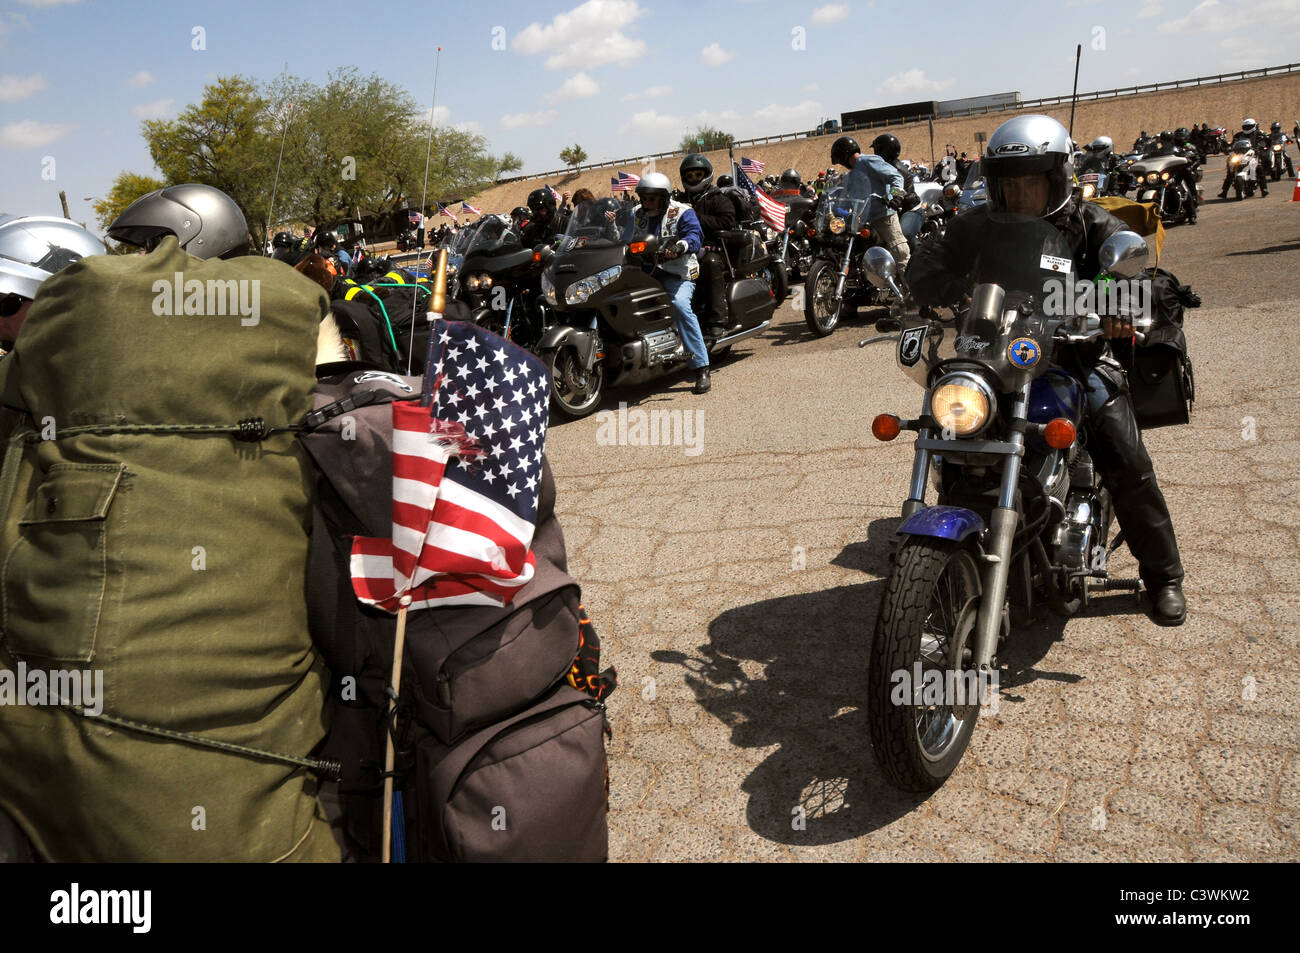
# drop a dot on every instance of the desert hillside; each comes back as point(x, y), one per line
point(1265, 100)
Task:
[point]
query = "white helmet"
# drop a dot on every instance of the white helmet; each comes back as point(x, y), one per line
point(1101, 144)
point(1249, 126)
point(34, 247)
point(655, 183)
point(1024, 146)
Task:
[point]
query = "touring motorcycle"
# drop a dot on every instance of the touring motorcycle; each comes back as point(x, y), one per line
point(500, 280)
point(1278, 160)
point(837, 278)
point(613, 322)
point(1021, 514)
point(1244, 166)
point(1159, 181)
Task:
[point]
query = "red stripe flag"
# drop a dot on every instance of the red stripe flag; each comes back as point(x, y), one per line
point(466, 481)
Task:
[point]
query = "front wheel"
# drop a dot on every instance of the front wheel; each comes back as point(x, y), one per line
point(923, 700)
point(821, 306)
point(575, 391)
point(778, 280)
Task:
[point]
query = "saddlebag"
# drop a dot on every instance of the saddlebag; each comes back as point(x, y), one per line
point(1159, 370)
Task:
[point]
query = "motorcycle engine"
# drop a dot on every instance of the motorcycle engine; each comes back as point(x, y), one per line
point(659, 347)
point(1082, 526)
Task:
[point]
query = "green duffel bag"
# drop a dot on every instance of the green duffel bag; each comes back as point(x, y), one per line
point(154, 534)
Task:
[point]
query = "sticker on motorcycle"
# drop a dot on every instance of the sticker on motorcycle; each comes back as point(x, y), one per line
point(1024, 352)
point(909, 346)
point(1052, 263)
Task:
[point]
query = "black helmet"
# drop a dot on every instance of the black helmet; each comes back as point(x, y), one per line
point(327, 240)
point(725, 180)
point(842, 150)
point(282, 240)
point(887, 147)
point(542, 203)
point(206, 221)
point(1182, 134)
point(1276, 127)
point(790, 179)
point(518, 212)
point(1167, 136)
point(696, 173)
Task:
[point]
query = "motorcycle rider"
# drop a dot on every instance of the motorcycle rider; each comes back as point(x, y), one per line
point(889, 148)
point(1250, 132)
point(1276, 136)
point(718, 210)
point(681, 238)
point(1098, 156)
point(789, 186)
point(878, 177)
point(1027, 173)
point(545, 222)
point(33, 247)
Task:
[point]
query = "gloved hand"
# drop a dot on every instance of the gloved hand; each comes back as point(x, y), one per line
point(896, 201)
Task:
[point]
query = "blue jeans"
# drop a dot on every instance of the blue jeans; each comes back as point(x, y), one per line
point(688, 325)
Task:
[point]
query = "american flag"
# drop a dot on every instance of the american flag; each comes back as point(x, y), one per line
point(625, 182)
point(462, 530)
point(414, 217)
point(773, 212)
point(752, 166)
point(467, 209)
point(442, 210)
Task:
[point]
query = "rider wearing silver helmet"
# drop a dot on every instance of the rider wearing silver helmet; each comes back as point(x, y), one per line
point(205, 220)
point(1028, 174)
point(1250, 132)
point(31, 249)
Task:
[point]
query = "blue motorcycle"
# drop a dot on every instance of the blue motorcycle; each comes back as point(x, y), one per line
point(1020, 516)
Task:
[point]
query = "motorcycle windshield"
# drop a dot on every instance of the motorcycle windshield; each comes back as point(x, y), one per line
point(843, 212)
point(600, 223)
point(492, 235)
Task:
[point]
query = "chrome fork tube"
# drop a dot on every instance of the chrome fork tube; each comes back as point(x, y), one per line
point(920, 466)
point(844, 270)
point(997, 549)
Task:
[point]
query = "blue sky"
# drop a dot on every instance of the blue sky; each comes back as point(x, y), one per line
point(620, 77)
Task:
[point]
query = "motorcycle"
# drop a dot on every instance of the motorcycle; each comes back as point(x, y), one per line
point(928, 219)
point(1244, 167)
point(837, 276)
point(973, 192)
point(500, 280)
point(613, 322)
point(1159, 181)
point(1278, 160)
point(1217, 142)
point(1021, 514)
point(797, 249)
point(409, 240)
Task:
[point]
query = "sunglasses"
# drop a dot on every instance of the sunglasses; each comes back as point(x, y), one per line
point(10, 304)
point(695, 175)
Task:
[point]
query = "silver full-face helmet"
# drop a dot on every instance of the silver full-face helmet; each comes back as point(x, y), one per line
point(34, 247)
point(1028, 145)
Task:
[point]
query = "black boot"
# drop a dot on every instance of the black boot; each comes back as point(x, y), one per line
point(702, 383)
point(1168, 607)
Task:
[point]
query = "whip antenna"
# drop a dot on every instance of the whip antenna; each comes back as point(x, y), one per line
point(424, 196)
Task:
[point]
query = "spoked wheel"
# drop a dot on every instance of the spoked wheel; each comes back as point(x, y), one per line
point(920, 730)
point(575, 391)
point(821, 308)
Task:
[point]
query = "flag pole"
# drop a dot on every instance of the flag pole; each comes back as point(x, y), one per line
point(399, 647)
point(424, 198)
point(1074, 96)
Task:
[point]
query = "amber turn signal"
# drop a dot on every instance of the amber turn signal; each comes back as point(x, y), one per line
point(1059, 433)
point(636, 248)
point(885, 427)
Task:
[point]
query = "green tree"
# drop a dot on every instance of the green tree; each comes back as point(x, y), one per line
point(126, 188)
point(573, 156)
point(713, 139)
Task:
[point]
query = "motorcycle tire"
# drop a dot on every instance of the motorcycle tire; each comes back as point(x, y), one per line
point(1240, 194)
point(934, 583)
point(575, 393)
point(821, 309)
point(778, 280)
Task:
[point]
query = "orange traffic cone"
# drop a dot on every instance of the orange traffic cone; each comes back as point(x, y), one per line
point(1295, 196)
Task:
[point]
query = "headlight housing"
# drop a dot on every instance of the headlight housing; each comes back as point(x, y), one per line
point(1152, 177)
point(962, 404)
point(580, 291)
point(836, 225)
point(548, 288)
point(478, 282)
point(1089, 190)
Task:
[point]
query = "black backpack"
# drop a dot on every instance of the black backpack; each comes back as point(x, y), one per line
point(1160, 375)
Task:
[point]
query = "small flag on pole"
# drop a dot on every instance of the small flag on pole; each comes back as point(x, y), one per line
point(442, 210)
point(752, 166)
point(624, 182)
point(467, 209)
point(773, 212)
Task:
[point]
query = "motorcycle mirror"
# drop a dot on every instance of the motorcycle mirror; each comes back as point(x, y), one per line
point(1123, 255)
point(880, 266)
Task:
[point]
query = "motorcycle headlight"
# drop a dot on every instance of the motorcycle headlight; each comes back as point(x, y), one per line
point(1235, 160)
point(1164, 176)
point(1153, 177)
point(471, 282)
point(548, 288)
point(836, 225)
point(962, 404)
point(580, 291)
point(1278, 147)
point(1089, 190)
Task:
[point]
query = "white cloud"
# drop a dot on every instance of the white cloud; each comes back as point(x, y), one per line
point(651, 122)
point(142, 78)
point(154, 110)
point(830, 13)
point(779, 119)
point(30, 134)
point(16, 88)
point(651, 92)
point(586, 36)
point(518, 120)
point(811, 88)
point(915, 81)
point(470, 127)
point(1278, 17)
point(440, 115)
point(715, 55)
point(578, 86)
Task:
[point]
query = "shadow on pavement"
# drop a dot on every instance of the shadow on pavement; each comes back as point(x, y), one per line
point(809, 699)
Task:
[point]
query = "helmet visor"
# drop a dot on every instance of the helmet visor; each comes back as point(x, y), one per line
point(694, 176)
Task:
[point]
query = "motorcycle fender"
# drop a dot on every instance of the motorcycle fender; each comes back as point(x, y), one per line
point(1148, 195)
point(954, 523)
point(583, 341)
